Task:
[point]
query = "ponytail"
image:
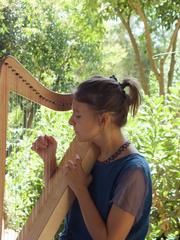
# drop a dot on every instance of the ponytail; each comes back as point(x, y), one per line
point(133, 95)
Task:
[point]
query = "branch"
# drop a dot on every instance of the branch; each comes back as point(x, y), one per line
point(173, 39)
point(173, 61)
point(137, 7)
point(136, 50)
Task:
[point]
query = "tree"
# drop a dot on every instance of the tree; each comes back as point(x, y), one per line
point(155, 17)
point(52, 39)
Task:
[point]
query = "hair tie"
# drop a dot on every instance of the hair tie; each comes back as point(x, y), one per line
point(114, 77)
point(122, 85)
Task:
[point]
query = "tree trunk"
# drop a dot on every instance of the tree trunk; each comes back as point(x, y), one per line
point(171, 72)
point(142, 76)
point(172, 45)
point(160, 78)
point(30, 117)
point(136, 5)
point(29, 114)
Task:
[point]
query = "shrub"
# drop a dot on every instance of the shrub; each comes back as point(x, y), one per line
point(155, 132)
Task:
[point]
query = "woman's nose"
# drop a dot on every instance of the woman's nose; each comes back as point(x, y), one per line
point(71, 121)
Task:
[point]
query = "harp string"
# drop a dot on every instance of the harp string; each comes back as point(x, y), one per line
point(13, 149)
point(19, 128)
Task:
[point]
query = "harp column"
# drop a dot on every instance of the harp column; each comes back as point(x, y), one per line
point(4, 92)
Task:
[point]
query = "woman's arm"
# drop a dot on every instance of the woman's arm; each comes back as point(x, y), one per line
point(119, 222)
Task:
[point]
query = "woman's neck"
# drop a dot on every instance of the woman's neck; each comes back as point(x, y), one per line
point(109, 142)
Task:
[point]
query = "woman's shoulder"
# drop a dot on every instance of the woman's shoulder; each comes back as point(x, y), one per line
point(135, 161)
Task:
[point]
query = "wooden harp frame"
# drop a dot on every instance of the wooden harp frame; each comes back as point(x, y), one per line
point(56, 198)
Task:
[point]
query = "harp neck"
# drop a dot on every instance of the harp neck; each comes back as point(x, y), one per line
point(19, 80)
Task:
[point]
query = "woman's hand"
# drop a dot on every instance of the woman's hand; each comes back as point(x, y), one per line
point(45, 147)
point(76, 178)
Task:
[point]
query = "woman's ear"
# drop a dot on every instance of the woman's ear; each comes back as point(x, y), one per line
point(104, 119)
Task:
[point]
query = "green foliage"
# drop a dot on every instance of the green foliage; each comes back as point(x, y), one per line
point(155, 132)
point(166, 11)
point(52, 39)
point(23, 178)
point(114, 53)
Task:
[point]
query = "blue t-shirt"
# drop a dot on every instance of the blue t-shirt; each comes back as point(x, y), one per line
point(103, 190)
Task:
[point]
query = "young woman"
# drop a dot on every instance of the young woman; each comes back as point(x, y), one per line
point(113, 202)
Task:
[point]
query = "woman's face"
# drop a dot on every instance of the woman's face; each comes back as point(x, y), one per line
point(85, 121)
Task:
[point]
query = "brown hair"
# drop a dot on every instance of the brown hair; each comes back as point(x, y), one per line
point(107, 95)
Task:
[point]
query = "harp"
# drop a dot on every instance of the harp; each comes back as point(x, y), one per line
point(56, 197)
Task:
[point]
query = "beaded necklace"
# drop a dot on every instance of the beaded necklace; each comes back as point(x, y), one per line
point(117, 153)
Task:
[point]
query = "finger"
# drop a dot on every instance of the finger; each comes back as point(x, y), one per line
point(42, 140)
point(77, 157)
point(38, 146)
point(72, 164)
point(51, 139)
point(42, 145)
point(78, 160)
point(64, 170)
point(66, 166)
point(34, 146)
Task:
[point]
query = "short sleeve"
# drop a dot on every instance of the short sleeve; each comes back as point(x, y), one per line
point(130, 192)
